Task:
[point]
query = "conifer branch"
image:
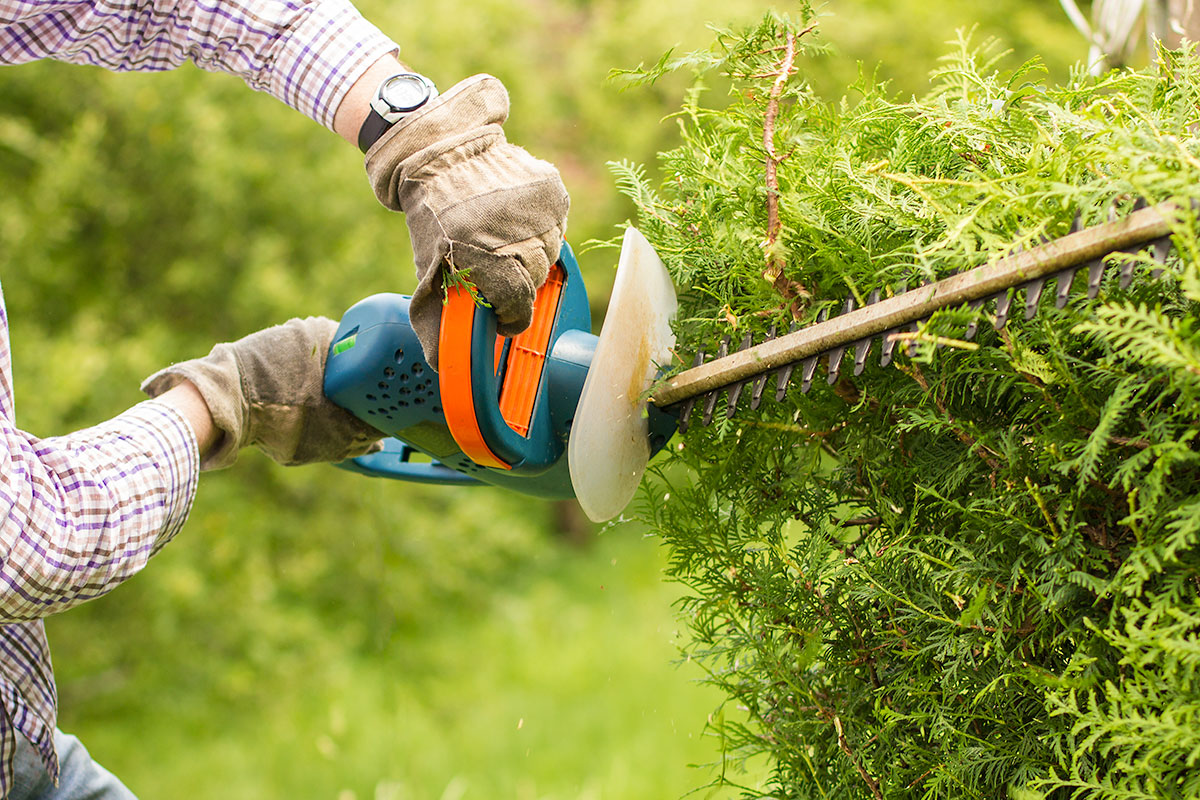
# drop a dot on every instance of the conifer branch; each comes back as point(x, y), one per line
point(774, 273)
point(844, 744)
point(1058, 506)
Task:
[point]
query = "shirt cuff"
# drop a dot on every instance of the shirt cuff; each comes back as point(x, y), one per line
point(326, 53)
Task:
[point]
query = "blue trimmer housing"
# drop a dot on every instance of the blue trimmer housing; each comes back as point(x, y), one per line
point(377, 371)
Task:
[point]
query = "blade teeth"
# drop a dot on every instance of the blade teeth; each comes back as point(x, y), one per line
point(1063, 282)
point(735, 391)
point(973, 328)
point(889, 345)
point(760, 382)
point(863, 347)
point(685, 411)
point(782, 378)
point(710, 399)
point(1095, 275)
point(1159, 250)
point(756, 393)
point(1003, 304)
point(1126, 275)
point(810, 363)
point(810, 367)
point(836, 355)
point(1033, 293)
point(835, 365)
point(861, 350)
point(710, 405)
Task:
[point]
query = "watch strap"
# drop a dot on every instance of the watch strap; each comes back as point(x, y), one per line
point(372, 128)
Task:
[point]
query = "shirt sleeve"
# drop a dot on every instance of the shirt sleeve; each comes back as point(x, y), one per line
point(83, 512)
point(307, 53)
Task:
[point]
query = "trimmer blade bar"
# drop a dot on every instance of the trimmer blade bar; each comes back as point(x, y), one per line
point(896, 318)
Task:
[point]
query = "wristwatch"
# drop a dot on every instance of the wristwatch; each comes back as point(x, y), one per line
point(396, 97)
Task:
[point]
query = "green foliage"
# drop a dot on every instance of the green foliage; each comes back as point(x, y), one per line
point(975, 572)
point(171, 211)
point(313, 633)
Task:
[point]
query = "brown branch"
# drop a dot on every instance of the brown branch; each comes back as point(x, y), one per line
point(792, 292)
point(920, 778)
point(1140, 444)
point(974, 445)
point(786, 65)
point(1003, 586)
point(860, 522)
point(1027, 627)
point(845, 745)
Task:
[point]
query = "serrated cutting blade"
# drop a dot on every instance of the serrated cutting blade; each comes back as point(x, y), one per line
point(1028, 269)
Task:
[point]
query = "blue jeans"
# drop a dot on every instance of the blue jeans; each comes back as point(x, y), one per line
point(79, 778)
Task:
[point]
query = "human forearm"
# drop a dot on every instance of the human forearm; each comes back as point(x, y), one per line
point(187, 400)
point(356, 103)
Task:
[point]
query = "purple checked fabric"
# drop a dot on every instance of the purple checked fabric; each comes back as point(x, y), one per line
point(307, 54)
point(81, 513)
point(78, 515)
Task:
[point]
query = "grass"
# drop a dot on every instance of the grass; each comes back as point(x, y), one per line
point(563, 688)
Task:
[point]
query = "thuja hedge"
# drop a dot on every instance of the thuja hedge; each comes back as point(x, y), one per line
point(973, 573)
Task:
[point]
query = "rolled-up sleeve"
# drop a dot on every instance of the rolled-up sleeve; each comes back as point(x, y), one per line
point(307, 53)
point(83, 512)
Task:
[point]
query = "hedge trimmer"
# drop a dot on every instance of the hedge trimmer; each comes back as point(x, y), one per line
point(506, 411)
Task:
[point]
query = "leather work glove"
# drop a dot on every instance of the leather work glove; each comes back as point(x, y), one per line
point(266, 389)
point(473, 202)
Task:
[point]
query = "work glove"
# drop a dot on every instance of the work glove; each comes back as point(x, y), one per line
point(266, 389)
point(474, 203)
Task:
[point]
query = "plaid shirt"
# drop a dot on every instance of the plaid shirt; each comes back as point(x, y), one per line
point(307, 53)
point(81, 513)
point(78, 515)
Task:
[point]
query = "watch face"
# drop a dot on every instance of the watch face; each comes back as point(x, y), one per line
point(404, 93)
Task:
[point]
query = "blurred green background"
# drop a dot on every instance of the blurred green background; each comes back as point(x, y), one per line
point(314, 634)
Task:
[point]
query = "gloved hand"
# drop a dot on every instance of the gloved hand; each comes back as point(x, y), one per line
point(473, 202)
point(266, 389)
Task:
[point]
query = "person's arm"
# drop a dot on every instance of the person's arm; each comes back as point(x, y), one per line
point(356, 103)
point(474, 203)
point(307, 53)
point(187, 400)
point(83, 512)
point(80, 513)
